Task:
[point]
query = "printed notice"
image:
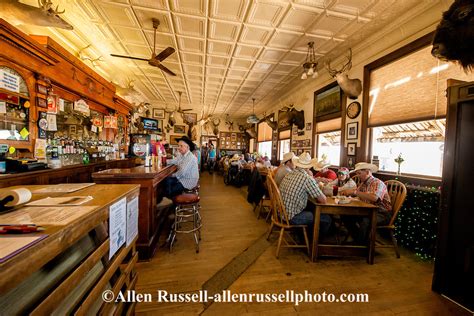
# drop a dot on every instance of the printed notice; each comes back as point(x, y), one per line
point(132, 220)
point(117, 225)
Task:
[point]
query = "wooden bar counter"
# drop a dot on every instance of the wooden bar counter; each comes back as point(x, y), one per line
point(67, 271)
point(150, 218)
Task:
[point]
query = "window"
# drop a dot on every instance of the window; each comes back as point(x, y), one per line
point(328, 140)
point(265, 149)
point(329, 147)
point(264, 139)
point(284, 143)
point(407, 106)
point(420, 144)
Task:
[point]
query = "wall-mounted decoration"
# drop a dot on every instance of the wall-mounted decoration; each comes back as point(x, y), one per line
point(173, 139)
point(72, 130)
point(190, 118)
point(352, 130)
point(353, 110)
point(42, 103)
point(159, 114)
point(180, 129)
point(350, 162)
point(327, 101)
point(308, 126)
point(295, 130)
point(351, 149)
point(110, 122)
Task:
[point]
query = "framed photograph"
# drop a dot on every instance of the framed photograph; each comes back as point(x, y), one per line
point(173, 139)
point(72, 130)
point(327, 100)
point(233, 136)
point(308, 126)
point(350, 162)
point(42, 89)
point(42, 103)
point(190, 118)
point(352, 130)
point(159, 114)
point(180, 129)
point(351, 149)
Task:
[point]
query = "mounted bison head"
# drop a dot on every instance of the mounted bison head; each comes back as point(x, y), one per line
point(454, 36)
point(294, 116)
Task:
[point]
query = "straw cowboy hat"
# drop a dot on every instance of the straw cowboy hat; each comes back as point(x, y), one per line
point(365, 165)
point(288, 156)
point(320, 165)
point(304, 161)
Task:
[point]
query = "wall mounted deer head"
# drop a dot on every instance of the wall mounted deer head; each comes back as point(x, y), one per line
point(351, 87)
point(273, 125)
point(44, 15)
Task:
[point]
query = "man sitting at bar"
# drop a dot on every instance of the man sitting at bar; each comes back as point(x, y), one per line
point(286, 166)
point(374, 191)
point(296, 187)
point(187, 175)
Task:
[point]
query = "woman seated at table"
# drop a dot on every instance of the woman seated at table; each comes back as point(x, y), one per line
point(343, 182)
point(324, 174)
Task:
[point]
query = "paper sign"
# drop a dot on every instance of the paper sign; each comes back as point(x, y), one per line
point(40, 148)
point(110, 122)
point(82, 106)
point(94, 129)
point(132, 220)
point(117, 225)
point(61, 105)
point(24, 133)
point(51, 118)
point(9, 81)
point(52, 105)
point(3, 107)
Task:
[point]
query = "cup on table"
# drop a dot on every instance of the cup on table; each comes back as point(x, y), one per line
point(335, 189)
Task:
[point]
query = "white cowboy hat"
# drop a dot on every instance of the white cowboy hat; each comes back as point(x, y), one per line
point(288, 156)
point(365, 165)
point(304, 161)
point(321, 165)
point(235, 157)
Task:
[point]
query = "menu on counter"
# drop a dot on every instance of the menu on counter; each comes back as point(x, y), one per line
point(47, 215)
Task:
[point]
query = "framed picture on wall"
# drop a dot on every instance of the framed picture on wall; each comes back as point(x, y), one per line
point(190, 118)
point(350, 162)
point(180, 129)
point(352, 130)
point(159, 114)
point(327, 100)
point(351, 149)
point(173, 139)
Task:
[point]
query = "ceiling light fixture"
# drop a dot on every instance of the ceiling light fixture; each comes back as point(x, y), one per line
point(310, 66)
point(253, 119)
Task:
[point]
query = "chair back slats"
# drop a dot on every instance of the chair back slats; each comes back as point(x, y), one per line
point(398, 193)
point(280, 216)
point(356, 179)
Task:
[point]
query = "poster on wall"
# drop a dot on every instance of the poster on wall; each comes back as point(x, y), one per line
point(327, 101)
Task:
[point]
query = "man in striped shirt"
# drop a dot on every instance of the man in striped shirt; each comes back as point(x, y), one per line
point(187, 175)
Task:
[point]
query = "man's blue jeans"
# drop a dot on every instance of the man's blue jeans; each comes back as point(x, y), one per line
point(172, 187)
point(307, 218)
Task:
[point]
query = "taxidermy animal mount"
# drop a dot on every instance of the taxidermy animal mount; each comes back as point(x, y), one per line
point(294, 117)
point(273, 125)
point(454, 37)
point(351, 87)
point(44, 15)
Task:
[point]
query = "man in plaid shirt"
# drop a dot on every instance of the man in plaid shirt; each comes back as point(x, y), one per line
point(296, 187)
point(374, 191)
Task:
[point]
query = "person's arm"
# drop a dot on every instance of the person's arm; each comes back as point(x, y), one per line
point(314, 191)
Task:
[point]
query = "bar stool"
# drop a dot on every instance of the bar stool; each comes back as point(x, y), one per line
point(187, 218)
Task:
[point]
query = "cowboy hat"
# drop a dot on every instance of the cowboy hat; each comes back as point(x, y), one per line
point(320, 165)
point(235, 157)
point(287, 156)
point(304, 161)
point(190, 143)
point(364, 166)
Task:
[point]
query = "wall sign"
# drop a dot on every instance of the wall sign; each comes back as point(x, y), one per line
point(82, 106)
point(9, 81)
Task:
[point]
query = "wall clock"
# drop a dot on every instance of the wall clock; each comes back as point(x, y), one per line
point(353, 110)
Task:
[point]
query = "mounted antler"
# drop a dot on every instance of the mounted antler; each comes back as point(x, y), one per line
point(273, 125)
point(351, 87)
point(46, 5)
point(229, 123)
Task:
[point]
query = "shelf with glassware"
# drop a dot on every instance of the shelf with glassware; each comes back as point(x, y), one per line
point(232, 140)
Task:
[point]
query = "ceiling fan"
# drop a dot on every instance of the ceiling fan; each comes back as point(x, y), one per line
point(155, 60)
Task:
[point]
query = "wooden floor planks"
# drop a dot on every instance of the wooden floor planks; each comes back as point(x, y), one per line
point(395, 286)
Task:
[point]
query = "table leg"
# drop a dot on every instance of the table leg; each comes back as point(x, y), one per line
point(317, 219)
point(373, 232)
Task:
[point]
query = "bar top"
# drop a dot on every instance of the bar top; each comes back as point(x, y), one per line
point(60, 237)
point(135, 172)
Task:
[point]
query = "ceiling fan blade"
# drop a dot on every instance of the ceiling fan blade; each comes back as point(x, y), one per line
point(129, 57)
point(165, 53)
point(166, 69)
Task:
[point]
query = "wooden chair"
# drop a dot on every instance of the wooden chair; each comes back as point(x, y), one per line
point(265, 202)
point(356, 179)
point(280, 219)
point(397, 192)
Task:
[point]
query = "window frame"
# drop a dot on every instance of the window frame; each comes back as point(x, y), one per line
point(316, 144)
point(278, 159)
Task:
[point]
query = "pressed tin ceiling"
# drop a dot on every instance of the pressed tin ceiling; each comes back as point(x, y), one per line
point(227, 51)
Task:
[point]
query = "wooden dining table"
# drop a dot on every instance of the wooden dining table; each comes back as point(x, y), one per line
point(354, 208)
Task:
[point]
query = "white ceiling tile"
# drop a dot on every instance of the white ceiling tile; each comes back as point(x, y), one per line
point(254, 35)
point(194, 78)
point(256, 75)
point(219, 48)
point(162, 40)
point(233, 82)
point(191, 44)
point(244, 51)
point(313, 3)
point(193, 7)
point(217, 61)
point(229, 10)
point(284, 68)
point(275, 77)
point(262, 66)
point(153, 4)
point(215, 71)
point(145, 15)
point(190, 26)
point(329, 25)
point(193, 69)
point(299, 19)
point(190, 58)
point(282, 39)
point(215, 79)
point(295, 57)
point(272, 54)
point(266, 13)
point(138, 51)
point(118, 14)
point(235, 73)
point(223, 31)
point(241, 64)
point(131, 35)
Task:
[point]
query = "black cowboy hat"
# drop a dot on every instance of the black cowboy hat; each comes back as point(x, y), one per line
point(190, 143)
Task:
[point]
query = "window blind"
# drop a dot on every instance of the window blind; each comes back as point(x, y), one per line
point(328, 126)
point(264, 132)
